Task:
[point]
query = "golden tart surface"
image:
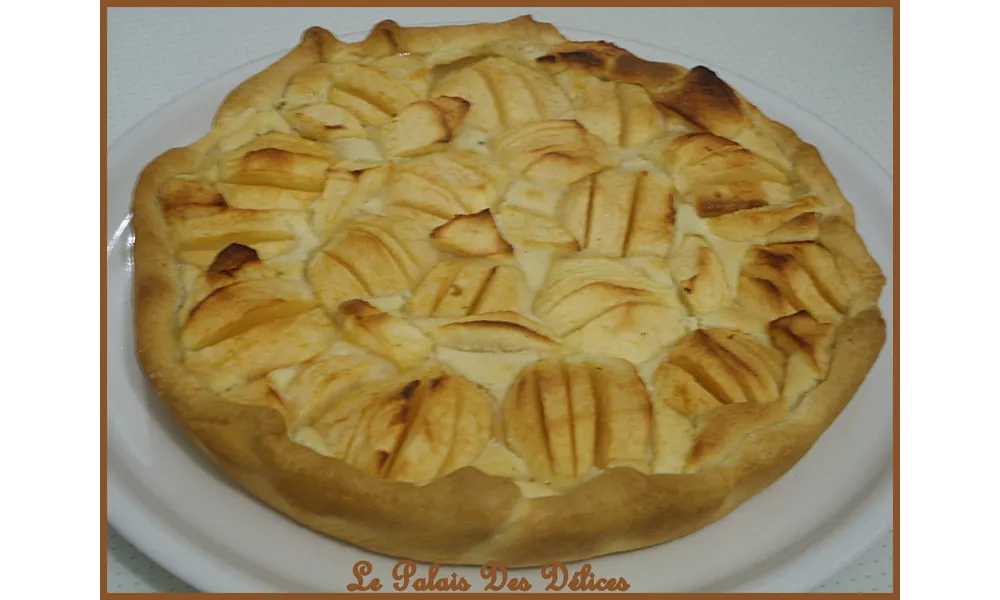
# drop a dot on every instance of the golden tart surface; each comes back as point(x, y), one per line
point(476, 293)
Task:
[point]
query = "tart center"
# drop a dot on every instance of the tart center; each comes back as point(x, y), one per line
point(510, 262)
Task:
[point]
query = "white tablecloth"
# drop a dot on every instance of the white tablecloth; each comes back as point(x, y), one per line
point(836, 63)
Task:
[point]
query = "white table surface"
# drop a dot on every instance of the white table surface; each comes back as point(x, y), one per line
point(836, 63)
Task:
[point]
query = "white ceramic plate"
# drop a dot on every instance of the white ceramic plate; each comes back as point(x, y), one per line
point(169, 501)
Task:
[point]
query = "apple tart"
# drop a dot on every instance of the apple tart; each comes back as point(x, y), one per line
point(480, 292)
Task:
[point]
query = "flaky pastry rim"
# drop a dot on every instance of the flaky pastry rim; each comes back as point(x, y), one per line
point(469, 517)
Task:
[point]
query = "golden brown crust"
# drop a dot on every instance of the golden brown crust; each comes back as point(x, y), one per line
point(467, 516)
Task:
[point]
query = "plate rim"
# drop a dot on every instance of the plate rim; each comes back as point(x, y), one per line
point(127, 517)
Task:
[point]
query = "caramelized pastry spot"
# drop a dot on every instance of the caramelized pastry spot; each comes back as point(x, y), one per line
point(700, 96)
point(585, 58)
point(407, 392)
point(231, 259)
